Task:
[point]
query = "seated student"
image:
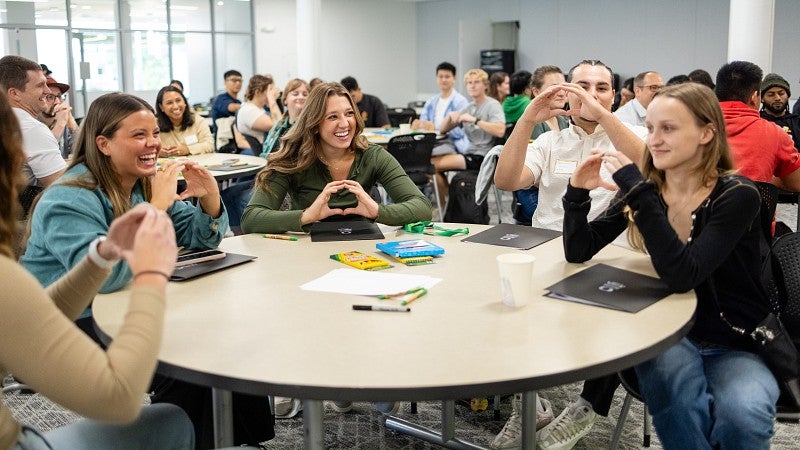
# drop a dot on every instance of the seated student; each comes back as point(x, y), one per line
point(439, 106)
point(182, 131)
point(42, 345)
point(499, 86)
point(294, 98)
point(371, 108)
point(251, 119)
point(515, 103)
point(699, 222)
point(327, 168)
point(113, 169)
point(543, 77)
point(482, 121)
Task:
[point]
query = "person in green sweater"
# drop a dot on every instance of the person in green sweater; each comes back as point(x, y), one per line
point(328, 168)
point(514, 105)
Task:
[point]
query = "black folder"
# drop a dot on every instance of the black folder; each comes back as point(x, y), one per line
point(609, 287)
point(190, 271)
point(352, 230)
point(516, 236)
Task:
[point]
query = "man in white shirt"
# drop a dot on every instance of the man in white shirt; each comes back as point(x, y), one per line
point(26, 88)
point(439, 106)
point(549, 162)
point(645, 86)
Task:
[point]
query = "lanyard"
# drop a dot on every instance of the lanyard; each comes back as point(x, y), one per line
point(433, 230)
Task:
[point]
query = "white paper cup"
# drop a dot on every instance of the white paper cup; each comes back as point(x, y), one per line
point(405, 127)
point(516, 273)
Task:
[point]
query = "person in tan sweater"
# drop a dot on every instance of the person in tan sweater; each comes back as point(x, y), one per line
point(40, 343)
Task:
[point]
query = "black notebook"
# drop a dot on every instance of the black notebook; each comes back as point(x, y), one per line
point(515, 236)
point(354, 230)
point(609, 287)
point(190, 271)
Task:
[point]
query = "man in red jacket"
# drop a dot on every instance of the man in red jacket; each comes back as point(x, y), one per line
point(761, 150)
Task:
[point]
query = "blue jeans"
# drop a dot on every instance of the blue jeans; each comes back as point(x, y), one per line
point(161, 426)
point(706, 397)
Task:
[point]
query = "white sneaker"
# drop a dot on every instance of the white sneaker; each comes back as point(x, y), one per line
point(286, 407)
point(567, 429)
point(342, 407)
point(511, 434)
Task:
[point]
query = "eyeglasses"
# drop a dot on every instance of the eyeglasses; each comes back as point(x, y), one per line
point(51, 97)
point(654, 87)
point(234, 80)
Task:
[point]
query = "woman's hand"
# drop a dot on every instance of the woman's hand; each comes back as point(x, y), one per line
point(122, 232)
point(200, 183)
point(367, 206)
point(538, 110)
point(165, 184)
point(615, 160)
point(153, 248)
point(174, 150)
point(587, 174)
point(319, 209)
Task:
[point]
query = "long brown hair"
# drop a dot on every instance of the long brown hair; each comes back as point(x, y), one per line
point(11, 160)
point(716, 158)
point(301, 145)
point(103, 119)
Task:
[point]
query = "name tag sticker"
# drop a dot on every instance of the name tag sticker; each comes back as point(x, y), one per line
point(191, 139)
point(565, 166)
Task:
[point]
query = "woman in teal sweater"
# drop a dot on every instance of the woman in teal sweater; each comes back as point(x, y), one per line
point(327, 168)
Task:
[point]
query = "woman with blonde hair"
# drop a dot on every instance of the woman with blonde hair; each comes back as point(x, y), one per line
point(42, 345)
point(326, 166)
point(251, 119)
point(700, 224)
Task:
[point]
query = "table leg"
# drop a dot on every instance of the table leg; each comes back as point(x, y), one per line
point(529, 401)
point(313, 435)
point(223, 417)
point(445, 438)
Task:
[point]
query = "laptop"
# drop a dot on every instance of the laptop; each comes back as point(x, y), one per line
point(515, 236)
point(187, 272)
point(354, 230)
point(610, 287)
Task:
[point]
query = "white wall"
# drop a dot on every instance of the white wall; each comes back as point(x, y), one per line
point(372, 40)
point(392, 47)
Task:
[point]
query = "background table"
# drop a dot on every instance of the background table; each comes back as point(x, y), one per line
point(252, 329)
point(212, 159)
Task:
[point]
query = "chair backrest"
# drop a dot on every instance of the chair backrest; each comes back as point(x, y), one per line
point(786, 253)
point(769, 201)
point(413, 151)
point(506, 134)
point(401, 115)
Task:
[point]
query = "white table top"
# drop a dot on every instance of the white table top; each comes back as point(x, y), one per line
point(252, 329)
point(382, 136)
point(250, 164)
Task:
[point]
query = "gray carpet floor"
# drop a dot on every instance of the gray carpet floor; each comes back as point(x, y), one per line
point(363, 428)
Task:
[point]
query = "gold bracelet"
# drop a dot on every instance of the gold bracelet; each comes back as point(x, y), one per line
point(151, 272)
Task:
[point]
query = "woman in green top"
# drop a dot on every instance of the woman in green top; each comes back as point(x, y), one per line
point(327, 168)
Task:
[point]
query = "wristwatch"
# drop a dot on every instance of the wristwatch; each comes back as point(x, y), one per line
point(476, 121)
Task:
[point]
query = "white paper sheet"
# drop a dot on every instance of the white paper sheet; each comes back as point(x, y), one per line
point(363, 282)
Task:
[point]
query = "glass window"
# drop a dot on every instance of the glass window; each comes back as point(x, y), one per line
point(191, 58)
point(99, 14)
point(234, 51)
point(147, 60)
point(232, 15)
point(143, 15)
point(190, 15)
point(52, 13)
point(52, 46)
point(98, 49)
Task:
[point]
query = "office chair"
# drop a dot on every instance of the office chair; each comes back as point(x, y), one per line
point(631, 384)
point(401, 115)
point(786, 252)
point(413, 152)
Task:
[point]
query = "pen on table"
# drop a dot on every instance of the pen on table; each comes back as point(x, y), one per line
point(400, 294)
point(380, 308)
point(282, 237)
point(414, 296)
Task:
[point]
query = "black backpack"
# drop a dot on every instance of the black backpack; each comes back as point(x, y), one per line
point(461, 205)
